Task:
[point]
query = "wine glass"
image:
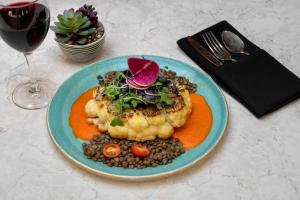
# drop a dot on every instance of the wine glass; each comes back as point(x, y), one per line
point(24, 26)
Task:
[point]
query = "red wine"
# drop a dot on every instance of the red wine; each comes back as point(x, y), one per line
point(24, 25)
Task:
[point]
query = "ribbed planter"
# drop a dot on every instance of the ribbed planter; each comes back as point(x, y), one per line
point(83, 53)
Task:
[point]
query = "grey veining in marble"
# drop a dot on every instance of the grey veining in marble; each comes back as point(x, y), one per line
point(256, 159)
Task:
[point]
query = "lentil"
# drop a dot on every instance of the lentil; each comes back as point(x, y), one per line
point(162, 151)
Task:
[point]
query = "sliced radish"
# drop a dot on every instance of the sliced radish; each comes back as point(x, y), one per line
point(145, 71)
point(135, 64)
point(132, 84)
point(138, 88)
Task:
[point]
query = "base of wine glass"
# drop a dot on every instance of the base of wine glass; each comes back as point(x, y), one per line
point(25, 97)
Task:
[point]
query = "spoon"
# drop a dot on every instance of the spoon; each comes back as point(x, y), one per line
point(233, 42)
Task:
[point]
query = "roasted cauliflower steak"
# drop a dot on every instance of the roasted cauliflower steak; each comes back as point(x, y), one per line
point(140, 124)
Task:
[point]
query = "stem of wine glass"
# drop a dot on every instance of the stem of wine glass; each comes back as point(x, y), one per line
point(34, 85)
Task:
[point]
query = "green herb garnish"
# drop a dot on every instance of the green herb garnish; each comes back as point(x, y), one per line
point(116, 122)
point(165, 99)
point(112, 91)
point(125, 97)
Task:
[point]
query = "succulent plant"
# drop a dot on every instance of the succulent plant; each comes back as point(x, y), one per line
point(89, 11)
point(73, 28)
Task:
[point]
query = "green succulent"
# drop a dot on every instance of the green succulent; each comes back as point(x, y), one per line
point(73, 28)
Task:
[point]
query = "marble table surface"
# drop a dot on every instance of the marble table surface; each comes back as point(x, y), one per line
point(256, 159)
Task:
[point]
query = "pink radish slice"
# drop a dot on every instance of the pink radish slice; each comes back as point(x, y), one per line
point(132, 84)
point(137, 87)
point(145, 71)
point(135, 64)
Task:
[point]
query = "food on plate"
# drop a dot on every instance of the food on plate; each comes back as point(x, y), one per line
point(140, 151)
point(140, 117)
point(111, 150)
point(140, 103)
point(197, 126)
point(78, 119)
point(162, 151)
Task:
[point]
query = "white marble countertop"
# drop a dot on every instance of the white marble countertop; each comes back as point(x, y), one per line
point(256, 159)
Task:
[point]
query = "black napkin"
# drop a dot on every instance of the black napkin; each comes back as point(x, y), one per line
point(258, 81)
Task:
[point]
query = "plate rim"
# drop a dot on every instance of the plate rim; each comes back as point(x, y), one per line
point(142, 177)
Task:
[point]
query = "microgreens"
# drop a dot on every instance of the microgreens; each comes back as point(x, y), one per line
point(126, 97)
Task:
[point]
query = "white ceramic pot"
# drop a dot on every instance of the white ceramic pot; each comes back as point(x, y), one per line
point(83, 53)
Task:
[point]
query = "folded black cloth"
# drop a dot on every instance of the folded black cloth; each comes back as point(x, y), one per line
point(258, 81)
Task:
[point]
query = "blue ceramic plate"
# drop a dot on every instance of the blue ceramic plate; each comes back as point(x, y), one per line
point(72, 88)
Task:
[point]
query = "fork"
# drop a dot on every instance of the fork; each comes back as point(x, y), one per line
point(216, 47)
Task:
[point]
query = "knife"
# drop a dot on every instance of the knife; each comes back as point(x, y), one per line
point(203, 51)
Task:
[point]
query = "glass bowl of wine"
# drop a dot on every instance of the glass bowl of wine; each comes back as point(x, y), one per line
point(24, 26)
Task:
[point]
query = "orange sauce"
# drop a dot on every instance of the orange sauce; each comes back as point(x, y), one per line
point(78, 119)
point(191, 134)
point(197, 126)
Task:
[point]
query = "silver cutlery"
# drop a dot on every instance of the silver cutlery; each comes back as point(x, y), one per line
point(203, 51)
point(233, 42)
point(216, 47)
